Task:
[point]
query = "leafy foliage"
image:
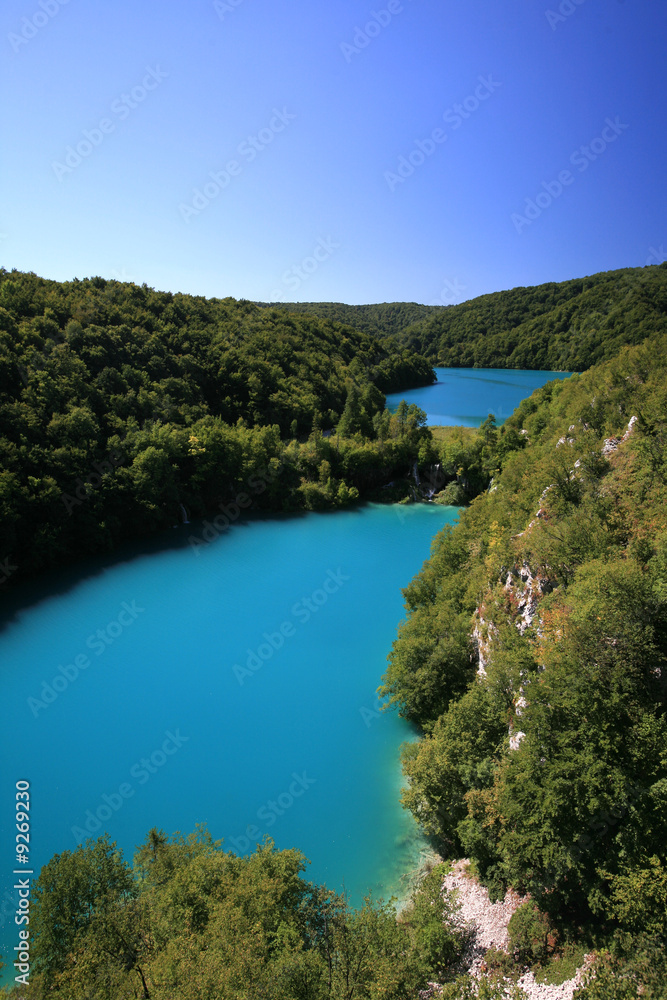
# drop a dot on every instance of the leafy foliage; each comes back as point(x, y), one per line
point(192, 921)
point(544, 755)
point(121, 406)
point(529, 933)
point(565, 326)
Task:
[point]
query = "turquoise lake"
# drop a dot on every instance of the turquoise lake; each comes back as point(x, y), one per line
point(235, 688)
point(465, 396)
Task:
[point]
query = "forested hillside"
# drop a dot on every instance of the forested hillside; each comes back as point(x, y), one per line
point(385, 319)
point(559, 326)
point(123, 409)
point(565, 326)
point(534, 657)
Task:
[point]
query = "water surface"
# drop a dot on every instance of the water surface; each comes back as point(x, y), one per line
point(236, 688)
point(464, 397)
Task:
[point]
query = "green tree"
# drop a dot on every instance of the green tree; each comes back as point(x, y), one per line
point(73, 889)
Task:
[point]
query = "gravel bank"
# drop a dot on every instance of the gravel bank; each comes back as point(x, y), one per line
point(487, 923)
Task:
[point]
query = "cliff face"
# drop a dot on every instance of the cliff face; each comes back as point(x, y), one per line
point(523, 588)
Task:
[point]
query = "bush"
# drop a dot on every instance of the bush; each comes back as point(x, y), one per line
point(531, 935)
point(500, 964)
point(606, 981)
point(438, 942)
point(453, 495)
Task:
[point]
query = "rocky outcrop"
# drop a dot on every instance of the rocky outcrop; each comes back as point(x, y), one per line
point(526, 588)
point(482, 636)
point(541, 514)
point(515, 739)
point(611, 444)
point(631, 426)
point(487, 927)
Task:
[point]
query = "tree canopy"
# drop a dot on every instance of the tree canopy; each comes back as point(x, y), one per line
point(124, 410)
point(190, 920)
point(559, 326)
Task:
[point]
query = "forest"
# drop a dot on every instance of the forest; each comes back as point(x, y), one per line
point(386, 319)
point(188, 920)
point(124, 411)
point(559, 326)
point(533, 658)
point(564, 326)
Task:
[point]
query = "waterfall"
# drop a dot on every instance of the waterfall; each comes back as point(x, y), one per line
point(436, 484)
point(184, 514)
point(415, 473)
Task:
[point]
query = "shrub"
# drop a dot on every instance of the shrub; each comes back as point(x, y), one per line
point(453, 495)
point(531, 935)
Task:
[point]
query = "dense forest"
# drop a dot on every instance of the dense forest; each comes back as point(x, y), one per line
point(123, 410)
point(386, 319)
point(559, 326)
point(564, 326)
point(534, 659)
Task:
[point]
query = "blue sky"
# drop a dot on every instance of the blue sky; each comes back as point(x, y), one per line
point(115, 113)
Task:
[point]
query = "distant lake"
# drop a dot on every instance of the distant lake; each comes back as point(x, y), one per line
point(465, 396)
point(235, 687)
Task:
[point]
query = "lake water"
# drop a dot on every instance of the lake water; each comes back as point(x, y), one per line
point(235, 688)
point(465, 396)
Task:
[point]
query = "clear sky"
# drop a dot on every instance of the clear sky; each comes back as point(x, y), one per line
point(116, 112)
